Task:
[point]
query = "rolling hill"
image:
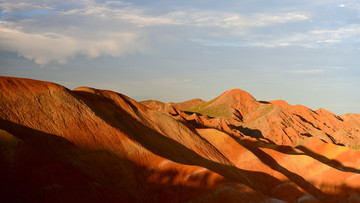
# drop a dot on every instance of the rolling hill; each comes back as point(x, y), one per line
point(92, 145)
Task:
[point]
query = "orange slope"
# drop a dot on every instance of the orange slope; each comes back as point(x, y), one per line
point(129, 152)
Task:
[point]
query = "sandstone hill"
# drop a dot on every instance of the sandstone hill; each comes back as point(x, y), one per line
point(91, 145)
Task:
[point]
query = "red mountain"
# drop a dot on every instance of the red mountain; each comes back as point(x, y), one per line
point(90, 145)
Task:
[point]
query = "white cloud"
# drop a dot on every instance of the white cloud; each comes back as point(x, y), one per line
point(187, 17)
point(91, 31)
point(310, 39)
point(320, 69)
point(43, 48)
point(238, 24)
point(309, 71)
point(15, 6)
point(123, 13)
point(94, 28)
point(90, 28)
point(282, 18)
point(337, 67)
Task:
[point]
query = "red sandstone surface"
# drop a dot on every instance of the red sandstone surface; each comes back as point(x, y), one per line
point(91, 145)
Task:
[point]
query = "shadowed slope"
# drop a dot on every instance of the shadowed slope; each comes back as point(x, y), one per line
point(170, 149)
point(86, 132)
point(143, 124)
point(34, 176)
point(108, 168)
point(127, 151)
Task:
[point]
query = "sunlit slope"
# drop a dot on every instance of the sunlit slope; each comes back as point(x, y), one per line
point(115, 149)
point(281, 122)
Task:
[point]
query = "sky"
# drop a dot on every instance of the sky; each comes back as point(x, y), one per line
point(304, 52)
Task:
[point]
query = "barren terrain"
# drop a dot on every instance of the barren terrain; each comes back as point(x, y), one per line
point(91, 145)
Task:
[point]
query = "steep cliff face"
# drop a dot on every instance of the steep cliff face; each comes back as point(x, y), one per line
point(101, 146)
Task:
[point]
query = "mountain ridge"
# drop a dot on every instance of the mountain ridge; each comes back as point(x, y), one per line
point(295, 121)
point(121, 150)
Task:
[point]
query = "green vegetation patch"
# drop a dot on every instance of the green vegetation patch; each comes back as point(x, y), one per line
point(201, 106)
point(357, 146)
point(267, 110)
point(220, 110)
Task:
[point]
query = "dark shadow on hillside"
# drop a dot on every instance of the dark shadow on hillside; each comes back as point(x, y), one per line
point(306, 121)
point(198, 114)
point(42, 151)
point(127, 118)
point(272, 163)
point(117, 178)
point(117, 173)
point(191, 113)
point(285, 149)
point(254, 133)
point(330, 162)
point(264, 102)
point(306, 134)
point(339, 118)
point(333, 140)
point(310, 123)
point(171, 149)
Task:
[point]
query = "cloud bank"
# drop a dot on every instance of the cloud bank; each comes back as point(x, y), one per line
point(51, 31)
point(43, 48)
point(112, 28)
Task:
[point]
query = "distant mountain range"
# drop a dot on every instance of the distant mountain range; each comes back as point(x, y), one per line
point(91, 145)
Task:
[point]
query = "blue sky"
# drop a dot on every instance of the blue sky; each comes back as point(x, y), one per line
point(305, 52)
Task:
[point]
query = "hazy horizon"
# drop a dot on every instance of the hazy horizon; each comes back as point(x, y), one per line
point(303, 52)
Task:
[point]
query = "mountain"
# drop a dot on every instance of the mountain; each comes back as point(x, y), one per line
point(161, 106)
point(282, 123)
point(234, 103)
point(91, 145)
